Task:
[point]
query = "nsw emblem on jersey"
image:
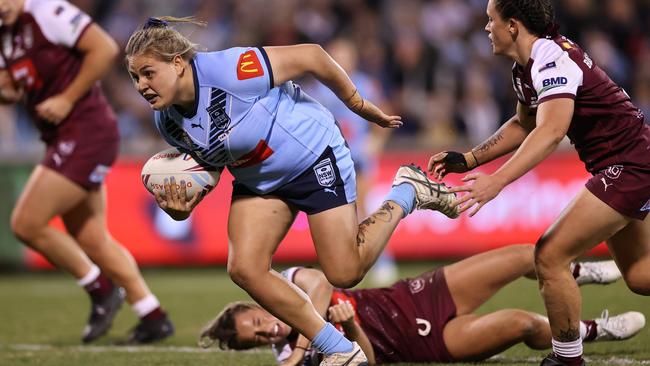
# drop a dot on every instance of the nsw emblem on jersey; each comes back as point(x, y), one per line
point(325, 173)
point(249, 66)
point(218, 116)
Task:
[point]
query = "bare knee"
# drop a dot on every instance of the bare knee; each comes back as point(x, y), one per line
point(344, 279)
point(23, 227)
point(637, 282)
point(527, 327)
point(548, 260)
point(244, 275)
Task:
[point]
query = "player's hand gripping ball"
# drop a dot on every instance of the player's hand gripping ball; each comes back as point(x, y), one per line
point(182, 167)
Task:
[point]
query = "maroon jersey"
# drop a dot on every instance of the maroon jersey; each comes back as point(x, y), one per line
point(39, 53)
point(404, 322)
point(606, 125)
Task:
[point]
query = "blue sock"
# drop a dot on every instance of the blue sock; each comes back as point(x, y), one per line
point(329, 340)
point(404, 196)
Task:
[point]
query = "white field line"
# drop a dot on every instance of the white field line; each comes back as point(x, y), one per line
point(108, 348)
point(613, 360)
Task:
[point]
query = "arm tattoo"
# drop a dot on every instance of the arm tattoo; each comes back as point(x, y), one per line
point(491, 142)
point(384, 214)
point(569, 335)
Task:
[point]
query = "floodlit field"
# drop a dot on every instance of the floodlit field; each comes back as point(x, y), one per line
point(41, 317)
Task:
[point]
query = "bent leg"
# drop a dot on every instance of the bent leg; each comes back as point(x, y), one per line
point(250, 249)
point(493, 333)
point(474, 280)
point(630, 248)
point(86, 222)
point(46, 195)
point(346, 250)
point(586, 222)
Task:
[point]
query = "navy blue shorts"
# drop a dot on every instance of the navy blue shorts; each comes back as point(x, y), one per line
point(330, 182)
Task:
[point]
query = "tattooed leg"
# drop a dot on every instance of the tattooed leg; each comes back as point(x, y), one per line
point(346, 250)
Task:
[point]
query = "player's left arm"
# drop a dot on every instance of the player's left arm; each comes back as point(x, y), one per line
point(99, 51)
point(290, 62)
point(343, 313)
point(553, 121)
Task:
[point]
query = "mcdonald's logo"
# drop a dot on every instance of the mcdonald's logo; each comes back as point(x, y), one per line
point(249, 66)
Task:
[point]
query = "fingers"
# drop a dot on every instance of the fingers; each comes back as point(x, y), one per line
point(435, 159)
point(162, 202)
point(471, 176)
point(476, 209)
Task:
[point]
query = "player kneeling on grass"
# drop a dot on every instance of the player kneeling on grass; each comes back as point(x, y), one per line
point(428, 318)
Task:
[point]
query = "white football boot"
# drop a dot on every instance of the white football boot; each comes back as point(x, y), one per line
point(602, 272)
point(428, 194)
point(618, 327)
point(356, 357)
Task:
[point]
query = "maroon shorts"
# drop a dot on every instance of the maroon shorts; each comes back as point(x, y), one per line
point(83, 156)
point(625, 188)
point(404, 322)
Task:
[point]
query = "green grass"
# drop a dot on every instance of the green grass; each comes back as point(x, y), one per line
point(42, 314)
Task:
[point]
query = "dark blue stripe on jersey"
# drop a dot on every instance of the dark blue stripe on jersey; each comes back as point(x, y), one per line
point(268, 67)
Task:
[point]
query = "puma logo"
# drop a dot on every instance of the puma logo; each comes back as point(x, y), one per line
point(329, 190)
point(195, 125)
point(605, 183)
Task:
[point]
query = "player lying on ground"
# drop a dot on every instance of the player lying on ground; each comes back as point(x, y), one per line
point(424, 319)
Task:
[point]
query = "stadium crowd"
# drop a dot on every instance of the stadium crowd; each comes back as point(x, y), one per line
point(432, 58)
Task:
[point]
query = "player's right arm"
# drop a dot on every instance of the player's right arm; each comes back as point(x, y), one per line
point(507, 138)
point(291, 62)
point(343, 313)
point(9, 94)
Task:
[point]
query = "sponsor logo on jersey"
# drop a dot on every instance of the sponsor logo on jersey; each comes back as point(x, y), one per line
point(566, 45)
point(325, 174)
point(261, 152)
point(551, 83)
point(549, 65)
point(249, 66)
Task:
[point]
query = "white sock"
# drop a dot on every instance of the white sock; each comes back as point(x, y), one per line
point(570, 349)
point(90, 276)
point(583, 330)
point(146, 305)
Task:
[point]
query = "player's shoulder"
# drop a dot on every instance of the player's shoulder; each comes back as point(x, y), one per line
point(44, 10)
point(545, 53)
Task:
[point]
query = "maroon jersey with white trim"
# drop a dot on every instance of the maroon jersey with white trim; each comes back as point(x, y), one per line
point(605, 123)
point(38, 50)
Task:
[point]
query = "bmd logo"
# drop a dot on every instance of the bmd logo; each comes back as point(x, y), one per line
point(557, 81)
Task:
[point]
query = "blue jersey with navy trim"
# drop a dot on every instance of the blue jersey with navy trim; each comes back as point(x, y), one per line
point(265, 135)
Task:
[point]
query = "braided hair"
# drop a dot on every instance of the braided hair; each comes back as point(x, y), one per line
point(537, 15)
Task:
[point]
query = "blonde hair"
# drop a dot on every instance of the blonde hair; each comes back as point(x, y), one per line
point(159, 39)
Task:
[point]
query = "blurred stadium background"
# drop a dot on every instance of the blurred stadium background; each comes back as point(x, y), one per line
point(432, 62)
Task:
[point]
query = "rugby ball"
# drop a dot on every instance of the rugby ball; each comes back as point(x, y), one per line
point(182, 166)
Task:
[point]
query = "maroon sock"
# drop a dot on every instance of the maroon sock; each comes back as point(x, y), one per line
point(99, 288)
point(592, 330)
point(571, 361)
point(576, 271)
point(154, 314)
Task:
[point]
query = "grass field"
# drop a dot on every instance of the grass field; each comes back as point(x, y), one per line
point(42, 314)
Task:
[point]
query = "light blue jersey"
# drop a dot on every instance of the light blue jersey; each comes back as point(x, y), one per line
point(265, 135)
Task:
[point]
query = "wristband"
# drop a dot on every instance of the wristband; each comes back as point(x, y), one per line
point(470, 159)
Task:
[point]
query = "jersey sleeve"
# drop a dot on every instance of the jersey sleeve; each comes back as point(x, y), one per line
point(242, 71)
point(290, 273)
point(61, 22)
point(558, 78)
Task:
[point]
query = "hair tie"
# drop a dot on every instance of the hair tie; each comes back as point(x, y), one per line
point(155, 23)
point(552, 31)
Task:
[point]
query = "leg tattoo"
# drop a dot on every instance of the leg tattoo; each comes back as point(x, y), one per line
point(384, 214)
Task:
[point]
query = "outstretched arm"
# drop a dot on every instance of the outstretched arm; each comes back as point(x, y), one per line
point(507, 138)
point(553, 121)
point(290, 62)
